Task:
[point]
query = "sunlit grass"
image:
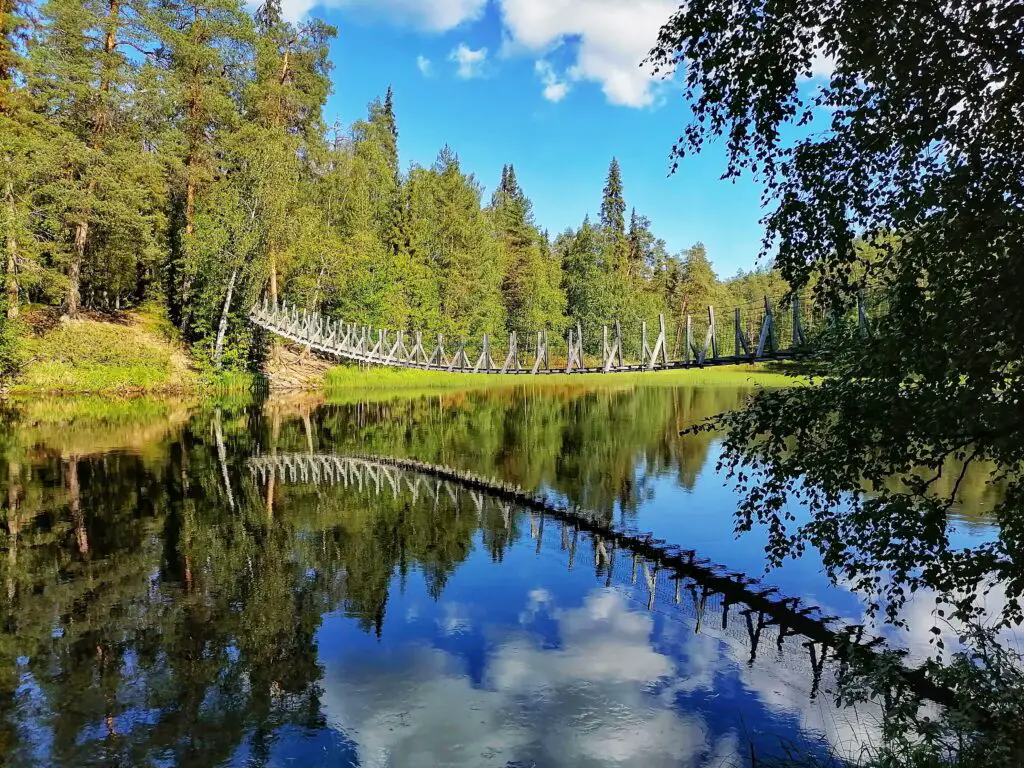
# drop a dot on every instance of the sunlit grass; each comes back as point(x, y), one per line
point(398, 379)
point(135, 353)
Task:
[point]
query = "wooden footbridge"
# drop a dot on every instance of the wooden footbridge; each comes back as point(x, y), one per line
point(706, 343)
point(666, 575)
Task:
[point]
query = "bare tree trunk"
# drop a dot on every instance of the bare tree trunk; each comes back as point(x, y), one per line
point(11, 288)
point(272, 266)
point(218, 349)
point(75, 268)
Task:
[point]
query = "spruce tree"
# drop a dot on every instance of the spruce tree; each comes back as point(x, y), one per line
point(613, 205)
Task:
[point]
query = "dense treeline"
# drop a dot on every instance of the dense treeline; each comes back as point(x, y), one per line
point(176, 151)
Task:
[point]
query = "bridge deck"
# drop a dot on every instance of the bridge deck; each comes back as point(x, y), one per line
point(349, 341)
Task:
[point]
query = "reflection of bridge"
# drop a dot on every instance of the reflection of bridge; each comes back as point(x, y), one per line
point(350, 341)
point(664, 573)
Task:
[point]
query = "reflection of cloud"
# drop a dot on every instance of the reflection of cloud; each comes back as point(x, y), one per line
point(585, 702)
point(456, 619)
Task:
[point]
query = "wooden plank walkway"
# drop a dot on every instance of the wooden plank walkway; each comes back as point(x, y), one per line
point(349, 341)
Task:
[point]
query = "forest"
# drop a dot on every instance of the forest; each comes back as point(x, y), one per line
point(176, 154)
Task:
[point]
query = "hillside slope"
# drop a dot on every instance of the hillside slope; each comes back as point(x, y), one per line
point(129, 352)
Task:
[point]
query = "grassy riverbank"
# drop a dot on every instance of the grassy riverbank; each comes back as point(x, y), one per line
point(130, 353)
point(392, 379)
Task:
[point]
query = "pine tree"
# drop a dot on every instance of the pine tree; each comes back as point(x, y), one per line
point(285, 106)
point(101, 186)
point(390, 124)
point(201, 44)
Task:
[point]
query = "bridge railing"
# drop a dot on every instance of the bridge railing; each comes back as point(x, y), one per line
point(758, 330)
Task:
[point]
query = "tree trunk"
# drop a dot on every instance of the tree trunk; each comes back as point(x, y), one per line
point(75, 268)
point(272, 266)
point(11, 262)
point(218, 349)
point(190, 203)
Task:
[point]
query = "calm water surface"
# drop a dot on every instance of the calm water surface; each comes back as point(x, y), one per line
point(167, 603)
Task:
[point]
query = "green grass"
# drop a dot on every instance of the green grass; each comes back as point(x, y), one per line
point(135, 353)
point(90, 356)
point(401, 379)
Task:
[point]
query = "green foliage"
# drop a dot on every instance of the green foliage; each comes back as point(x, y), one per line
point(177, 152)
point(929, 218)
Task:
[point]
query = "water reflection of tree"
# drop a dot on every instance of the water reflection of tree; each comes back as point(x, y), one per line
point(601, 449)
point(185, 628)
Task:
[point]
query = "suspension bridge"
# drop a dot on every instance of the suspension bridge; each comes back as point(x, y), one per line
point(667, 576)
point(745, 335)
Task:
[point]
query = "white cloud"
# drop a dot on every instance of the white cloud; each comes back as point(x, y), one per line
point(425, 66)
point(470, 62)
point(822, 66)
point(612, 39)
point(555, 88)
point(433, 15)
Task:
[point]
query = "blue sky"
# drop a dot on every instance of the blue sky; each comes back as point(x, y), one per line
point(552, 86)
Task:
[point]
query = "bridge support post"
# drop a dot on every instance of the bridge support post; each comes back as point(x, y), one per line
point(485, 361)
point(741, 339)
point(765, 340)
point(540, 352)
point(798, 331)
point(512, 360)
point(659, 345)
point(862, 315)
point(689, 339)
point(618, 342)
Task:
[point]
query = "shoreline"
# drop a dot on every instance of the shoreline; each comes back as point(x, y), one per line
point(345, 379)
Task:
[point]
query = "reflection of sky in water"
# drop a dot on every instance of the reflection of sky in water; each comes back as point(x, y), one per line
point(525, 662)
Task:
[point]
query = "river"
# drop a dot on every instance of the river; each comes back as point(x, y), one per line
point(215, 583)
